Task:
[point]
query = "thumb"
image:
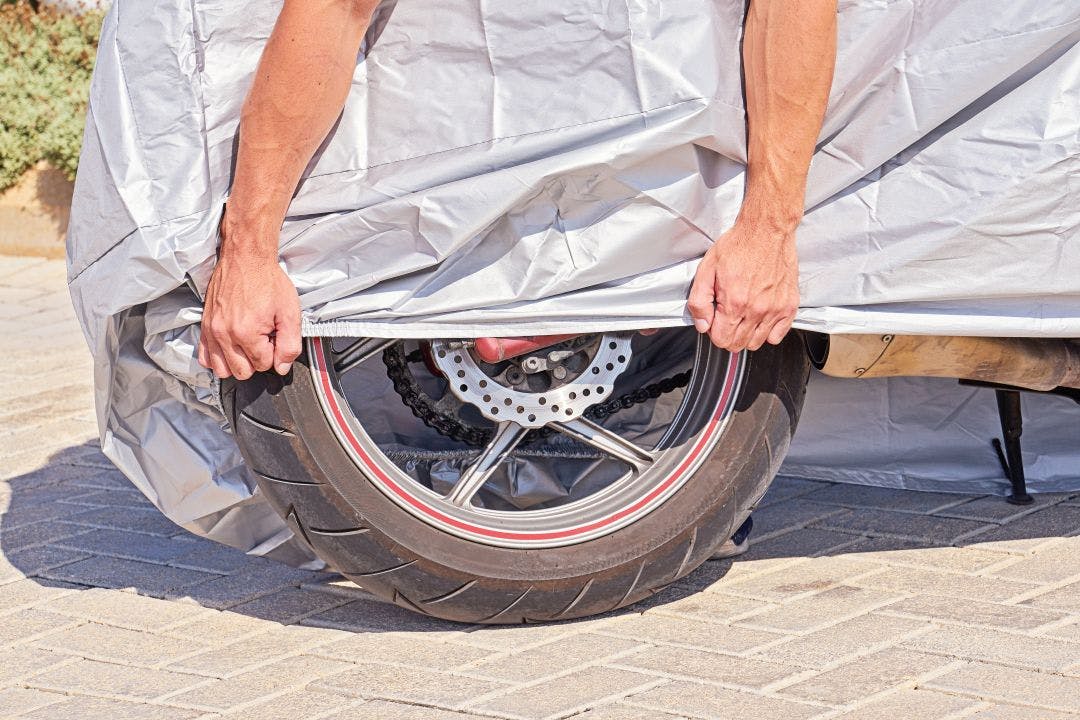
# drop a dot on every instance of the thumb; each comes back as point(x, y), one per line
point(286, 341)
point(702, 294)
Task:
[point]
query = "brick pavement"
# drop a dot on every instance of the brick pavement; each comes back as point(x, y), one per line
point(853, 602)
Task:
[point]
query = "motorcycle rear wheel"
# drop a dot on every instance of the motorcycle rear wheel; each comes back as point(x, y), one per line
point(413, 546)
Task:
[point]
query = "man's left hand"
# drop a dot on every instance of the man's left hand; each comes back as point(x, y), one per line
point(746, 289)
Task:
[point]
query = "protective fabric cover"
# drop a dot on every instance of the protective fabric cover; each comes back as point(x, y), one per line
point(507, 167)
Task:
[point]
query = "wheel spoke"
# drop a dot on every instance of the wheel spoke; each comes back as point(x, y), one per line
point(606, 441)
point(507, 436)
point(360, 351)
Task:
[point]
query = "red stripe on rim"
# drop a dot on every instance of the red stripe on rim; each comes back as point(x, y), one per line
point(388, 485)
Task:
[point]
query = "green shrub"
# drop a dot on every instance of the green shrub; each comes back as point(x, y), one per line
point(46, 57)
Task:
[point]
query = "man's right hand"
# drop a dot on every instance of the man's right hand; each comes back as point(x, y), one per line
point(251, 318)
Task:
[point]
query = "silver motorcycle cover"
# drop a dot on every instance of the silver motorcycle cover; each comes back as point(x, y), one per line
point(508, 167)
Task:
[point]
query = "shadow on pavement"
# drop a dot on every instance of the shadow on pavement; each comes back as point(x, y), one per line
point(78, 523)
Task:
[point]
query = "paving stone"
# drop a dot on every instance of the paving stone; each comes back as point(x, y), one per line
point(371, 616)
point(123, 544)
point(41, 510)
point(92, 677)
point(306, 703)
point(137, 520)
point(288, 606)
point(584, 688)
point(789, 515)
point(707, 701)
point(241, 655)
point(33, 561)
point(19, 700)
point(122, 609)
point(625, 712)
point(1063, 598)
point(97, 479)
point(402, 648)
point(115, 497)
point(1030, 531)
point(24, 593)
point(1009, 685)
point(1070, 632)
point(908, 553)
point(1015, 712)
point(215, 626)
point(813, 575)
point(37, 533)
point(229, 590)
point(1047, 564)
point(858, 635)
point(933, 582)
point(972, 612)
point(386, 682)
point(718, 574)
point(249, 687)
point(879, 498)
point(692, 633)
point(911, 703)
point(341, 587)
point(814, 612)
point(553, 658)
point(705, 606)
point(119, 645)
point(710, 667)
point(111, 572)
point(1034, 653)
point(25, 625)
point(89, 708)
point(387, 710)
point(212, 557)
point(23, 661)
point(992, 508)
point(805, 542)
point(920, 528)
point(867, 675)
point(785, 488)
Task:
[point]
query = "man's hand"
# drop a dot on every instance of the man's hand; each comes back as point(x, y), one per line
point(251, 320)
point(752, 271)
point(752, 275)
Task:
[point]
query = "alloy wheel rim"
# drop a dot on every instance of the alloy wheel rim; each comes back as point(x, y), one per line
point(652, 476)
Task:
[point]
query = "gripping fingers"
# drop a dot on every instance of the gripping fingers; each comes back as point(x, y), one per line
point(286, 343)
point(216, 357)
point(702, 293)
point(722, 328)
point(239, 365)
point(779, 330)
point(760, 334)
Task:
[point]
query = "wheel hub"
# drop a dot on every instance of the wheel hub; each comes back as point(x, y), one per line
point(554, 384)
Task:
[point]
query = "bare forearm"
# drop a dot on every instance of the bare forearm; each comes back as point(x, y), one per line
point(298, 93)
point(746, 289)
point(789, 52)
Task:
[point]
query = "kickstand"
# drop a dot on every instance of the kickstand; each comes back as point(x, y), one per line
point(1012, 462)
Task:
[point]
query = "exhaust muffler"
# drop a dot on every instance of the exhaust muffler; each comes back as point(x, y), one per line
point(1033, 363)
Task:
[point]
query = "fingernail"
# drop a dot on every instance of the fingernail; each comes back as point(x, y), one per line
point(283, 368)
point(701, 325)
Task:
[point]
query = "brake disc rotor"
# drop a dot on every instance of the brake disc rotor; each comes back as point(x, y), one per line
point(565, 400)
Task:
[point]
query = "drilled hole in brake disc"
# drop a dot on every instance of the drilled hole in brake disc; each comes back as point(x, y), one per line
point(559, 379)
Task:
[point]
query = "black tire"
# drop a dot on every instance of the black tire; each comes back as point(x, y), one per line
point(301, 468)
